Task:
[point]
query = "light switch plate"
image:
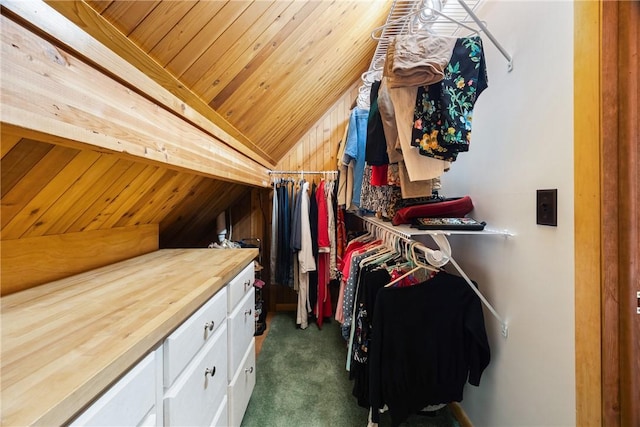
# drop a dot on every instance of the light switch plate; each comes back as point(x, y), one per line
point(547, 207)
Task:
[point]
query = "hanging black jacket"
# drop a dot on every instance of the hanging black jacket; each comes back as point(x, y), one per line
point(427, 341)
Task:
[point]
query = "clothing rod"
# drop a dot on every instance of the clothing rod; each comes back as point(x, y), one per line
point(395, 29)
point(442, 242)
point(396, 233)
point(301, 172)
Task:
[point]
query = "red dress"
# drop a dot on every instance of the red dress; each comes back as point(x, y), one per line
point(323, 306)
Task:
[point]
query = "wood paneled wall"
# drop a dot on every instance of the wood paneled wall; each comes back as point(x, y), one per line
point(87, 152)
point(318, 148)
point(65, 210)
point(33, 261)
point(93, 171)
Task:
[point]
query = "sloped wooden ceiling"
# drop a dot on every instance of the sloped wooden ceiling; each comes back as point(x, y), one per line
point(269, 68)
point(48, 189)
point(263, 72)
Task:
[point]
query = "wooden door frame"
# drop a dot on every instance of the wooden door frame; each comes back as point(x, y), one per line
point(620, 210)
point(606, 212)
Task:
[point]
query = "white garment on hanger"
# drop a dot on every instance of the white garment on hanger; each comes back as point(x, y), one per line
point(305, 254)
point(306, 261)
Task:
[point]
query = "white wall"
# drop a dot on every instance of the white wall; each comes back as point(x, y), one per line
point(523, 141)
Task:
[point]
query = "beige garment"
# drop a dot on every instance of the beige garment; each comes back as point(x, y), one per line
point(403, 100)
point(419, 59)
point(342, 185)
point(411, 189)
point(304, 306)
point(342, 144)
point(349, 206)
point(385, 106)
point(343, 172)
point(419, 167)
point(345, 187)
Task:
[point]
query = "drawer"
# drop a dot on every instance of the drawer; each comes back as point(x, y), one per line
point(242, 327)
point(196, 395)
point(183, 344)
point(240, 285)
point(241, 387)
point(128, 402)
point(221, 419)
point(150, 420)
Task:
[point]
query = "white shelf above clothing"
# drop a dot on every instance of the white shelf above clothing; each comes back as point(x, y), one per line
point(442, 255)
point(409, 232)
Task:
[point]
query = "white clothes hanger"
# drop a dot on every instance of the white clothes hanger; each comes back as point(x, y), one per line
point(408, 16)
point(405, 20)
point(418, 266)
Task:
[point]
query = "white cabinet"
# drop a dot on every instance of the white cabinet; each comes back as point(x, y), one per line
point(183, 344)
point(242, 326)
point(219, 336)
point(202, 374)
point(241, 386)
point(129, 402)
point(195, 397)
point(240, 285)
point(241, 349)
point(221, 418)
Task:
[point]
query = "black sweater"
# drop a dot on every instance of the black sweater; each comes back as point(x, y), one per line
point(427, 341)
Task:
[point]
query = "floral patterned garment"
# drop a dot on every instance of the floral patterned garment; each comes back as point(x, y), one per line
point(444, 110)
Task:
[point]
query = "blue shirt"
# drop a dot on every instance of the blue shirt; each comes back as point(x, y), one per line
point(355, 147)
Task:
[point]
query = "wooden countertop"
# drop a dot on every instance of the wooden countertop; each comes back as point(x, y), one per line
point(63, 343)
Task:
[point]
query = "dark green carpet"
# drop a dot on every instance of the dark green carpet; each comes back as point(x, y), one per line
point(302, 382)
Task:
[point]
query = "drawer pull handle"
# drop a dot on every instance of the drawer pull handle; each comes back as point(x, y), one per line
point(249, 370)
point(209, 325)
point(246, 285)
point(210, 371)
point(247, 312)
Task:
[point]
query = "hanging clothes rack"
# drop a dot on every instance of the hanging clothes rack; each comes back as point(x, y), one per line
point(435, 257)
point(426, 20)
point(444, 17)
point(327, 174)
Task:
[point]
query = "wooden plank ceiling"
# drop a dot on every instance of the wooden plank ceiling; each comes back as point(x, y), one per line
point(269, 68)
point(49, 189)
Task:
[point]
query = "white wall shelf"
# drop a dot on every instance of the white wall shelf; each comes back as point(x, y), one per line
point(443, 254)
point(409, 232)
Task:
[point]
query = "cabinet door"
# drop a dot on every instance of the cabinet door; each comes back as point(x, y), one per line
point(221, 419)
point(196, 395)
point(240, 285)
point(127, 403)
point(242, 326)
point(183, 344)
point(241, 386)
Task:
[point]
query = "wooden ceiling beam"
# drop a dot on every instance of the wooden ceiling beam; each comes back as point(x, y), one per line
point(102, 44)
point(50, 92)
